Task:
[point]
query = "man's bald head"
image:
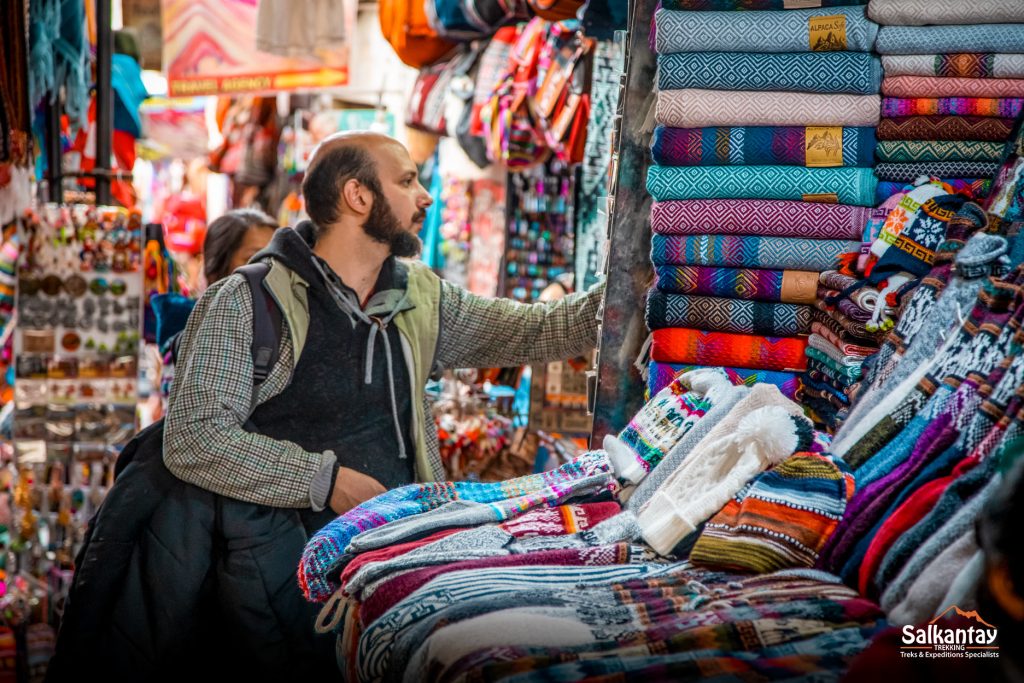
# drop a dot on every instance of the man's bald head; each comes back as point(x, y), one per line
point(337, 159)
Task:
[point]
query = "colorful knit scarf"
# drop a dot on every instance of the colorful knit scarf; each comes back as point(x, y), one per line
point(760, 217)
point(699, 347)
point(763, 146)
point(853, 73)
point(789, 286)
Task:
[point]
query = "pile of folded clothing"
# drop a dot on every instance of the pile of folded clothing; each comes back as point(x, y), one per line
point(562, 576)
point(762, 179)
point(954, 82)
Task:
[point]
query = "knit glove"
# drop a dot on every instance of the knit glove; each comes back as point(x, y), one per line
point(663, 422)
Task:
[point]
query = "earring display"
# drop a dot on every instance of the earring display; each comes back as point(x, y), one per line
point(76, 358)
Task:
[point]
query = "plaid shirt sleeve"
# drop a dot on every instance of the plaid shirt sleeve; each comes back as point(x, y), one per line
point(212, 397)
point(480, 332)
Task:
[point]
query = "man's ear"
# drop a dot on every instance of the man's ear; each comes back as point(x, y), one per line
point(357, 197)
point(1001, 585)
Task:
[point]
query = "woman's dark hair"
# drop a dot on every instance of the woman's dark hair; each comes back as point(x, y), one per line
point(224, 236)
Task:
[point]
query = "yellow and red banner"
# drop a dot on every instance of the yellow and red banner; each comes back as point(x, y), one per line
point(210, 49)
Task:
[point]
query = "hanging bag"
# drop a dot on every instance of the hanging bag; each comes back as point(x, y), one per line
point(406, 27)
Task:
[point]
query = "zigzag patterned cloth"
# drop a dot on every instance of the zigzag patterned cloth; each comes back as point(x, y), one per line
point(699, 347)
point(934, 86)
point(764, 217)
point(980, 128)
point(660, 375)
point(961, 65)
point(763, 146)
point(844, 325)
point(733, 5)
point(856, 73)
point(697, 108)
point(801, 30)
point(939, 150)
point(740, 251)
point(945, 12)
point(726, 315)
point(929, 40)
point(943, 169)
point(823, 361)
point(847, 185)
point(1004, 108)
point(975, 188)
point(789, 286)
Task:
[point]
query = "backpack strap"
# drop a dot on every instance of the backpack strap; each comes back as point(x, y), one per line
point(266, 322)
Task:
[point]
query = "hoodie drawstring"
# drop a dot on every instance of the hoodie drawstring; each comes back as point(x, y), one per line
point(377, 325)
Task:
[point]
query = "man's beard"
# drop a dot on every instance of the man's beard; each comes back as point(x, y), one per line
point(383, 226)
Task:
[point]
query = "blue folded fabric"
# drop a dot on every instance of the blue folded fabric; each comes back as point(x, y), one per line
point(801, 30)
point(930, 40)
point(856, 73)
point(848, 185)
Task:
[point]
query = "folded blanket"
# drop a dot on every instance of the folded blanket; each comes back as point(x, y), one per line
point(945, 12)
point(942, 169)
point(844, 385)
point(840, 342)
point(975, 188)
point(846, 185)
point(813, 390)
point(864, 297)
point(738, 251)
point(801, 30)
point(702, 108)
point(960, 65)
point(837, 369)
point(816, 341)
point(699, 347)
point(763, 146)
point(1005, 108)
point(935, 86)
point(836, 378)
point(660, 375)
point(857, 73)
point(781, 286)
point(730, 5)
point(939, 150)
point(981, 128)
point(929, 40)
point(726, 315)
point(764, 217)
point(840, 324)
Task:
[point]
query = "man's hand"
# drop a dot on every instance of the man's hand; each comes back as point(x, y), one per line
point(352, 488)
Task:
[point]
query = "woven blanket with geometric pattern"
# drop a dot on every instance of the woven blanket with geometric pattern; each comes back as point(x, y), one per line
point(945, 12)
point(733, 5)
point(962, 65)
point(934, 86)
point(847, 185)
point(939, 150)
point(700, 347)
point(765, 217)
point(696, 108)
point(747, 251)
point(660, 375)
point(929, 40)
point(763, 146)
point(726, 315)
point(942, 169)
point(754, 284)
point(981, 128)
point(855, 73)
point(1004, 108)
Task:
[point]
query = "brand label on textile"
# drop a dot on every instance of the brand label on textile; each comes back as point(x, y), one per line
point(822, 198)
point(800, 4)
point(823, 146)
point(966, 636)
point(827, 34)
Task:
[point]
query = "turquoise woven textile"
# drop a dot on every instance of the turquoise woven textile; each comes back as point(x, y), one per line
point(850, 185)
point(930, 40)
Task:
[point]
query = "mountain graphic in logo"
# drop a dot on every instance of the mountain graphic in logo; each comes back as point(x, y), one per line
point(973, 614)
point(829, 43)
point(827, 142)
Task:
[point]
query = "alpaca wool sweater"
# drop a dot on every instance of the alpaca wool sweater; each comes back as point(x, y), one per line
point(763, 429)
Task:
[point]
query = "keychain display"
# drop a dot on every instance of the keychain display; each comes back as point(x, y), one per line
point(539, 247)
point(76, 362)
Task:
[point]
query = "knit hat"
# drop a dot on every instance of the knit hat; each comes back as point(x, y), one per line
point(764, 429)
point(913, 250)
point(780, 520)
point(660, 424)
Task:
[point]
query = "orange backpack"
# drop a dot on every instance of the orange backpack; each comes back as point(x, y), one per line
point(404, 24)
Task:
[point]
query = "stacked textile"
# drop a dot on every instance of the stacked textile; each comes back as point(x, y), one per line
point(570, 588)
point(940, 420)
point(762, 178)
point(954, 83)
point(856, 309)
